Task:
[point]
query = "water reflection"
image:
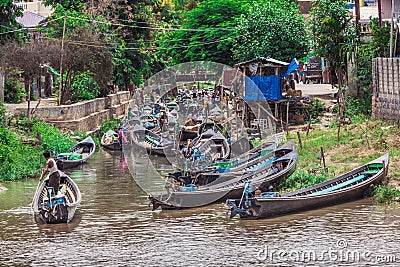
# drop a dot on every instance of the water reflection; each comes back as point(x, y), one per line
point(114, 226)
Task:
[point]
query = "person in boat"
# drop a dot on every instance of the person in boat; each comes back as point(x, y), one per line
point(120, 135)
point(163, 119)
point(51, 167)
point(257, 193)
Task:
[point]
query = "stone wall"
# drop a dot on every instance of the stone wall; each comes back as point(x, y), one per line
point(386, 89)
point(84, 116)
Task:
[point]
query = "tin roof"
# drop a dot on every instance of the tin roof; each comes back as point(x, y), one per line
point(267, 61)
point(29, 19)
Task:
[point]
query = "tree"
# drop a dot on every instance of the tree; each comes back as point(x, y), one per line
point(28, 58)
point(85, 52)
point(271, 28)
point(9, 28)
point(334, 35)
point(206, 34)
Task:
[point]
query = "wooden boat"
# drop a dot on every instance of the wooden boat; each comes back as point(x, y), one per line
point(347, 187)
point(211, 144)
point(109, 140)
point(189, 130)
point(60, 207)
point(154, 144)
point(76, 155)
point(267, 176)
point(226, 169)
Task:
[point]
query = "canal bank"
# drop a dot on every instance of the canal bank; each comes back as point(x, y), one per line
point(83, 116)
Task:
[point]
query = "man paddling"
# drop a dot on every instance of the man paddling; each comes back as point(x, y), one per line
point(51, 166)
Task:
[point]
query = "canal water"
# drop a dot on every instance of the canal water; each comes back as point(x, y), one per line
point(115, 227)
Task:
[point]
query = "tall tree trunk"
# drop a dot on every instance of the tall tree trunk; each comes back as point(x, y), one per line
point(2, 78)
point(47, 85)
point(66, 94)
point(27, 85)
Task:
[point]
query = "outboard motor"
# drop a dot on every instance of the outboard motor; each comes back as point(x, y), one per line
point(54, 209)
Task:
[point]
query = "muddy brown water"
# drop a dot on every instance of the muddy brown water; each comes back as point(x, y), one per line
point(114, 227)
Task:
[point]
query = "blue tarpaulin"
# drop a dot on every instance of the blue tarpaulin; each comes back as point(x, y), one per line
point(263, 88)
point(292, 67)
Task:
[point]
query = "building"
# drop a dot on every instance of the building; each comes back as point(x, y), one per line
point(35, 7)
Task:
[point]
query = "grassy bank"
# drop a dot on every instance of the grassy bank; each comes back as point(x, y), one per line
point(358, 144)
point(20, 147)
point(20, 156)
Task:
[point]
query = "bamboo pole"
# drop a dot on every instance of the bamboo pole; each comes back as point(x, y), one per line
point(61, 63)
point(287, 117)
point(299, 138)
point(323, 160)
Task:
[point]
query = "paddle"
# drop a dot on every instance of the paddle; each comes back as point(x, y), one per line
point(37, 188)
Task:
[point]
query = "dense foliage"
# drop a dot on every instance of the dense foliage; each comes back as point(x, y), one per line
point(13, 90)
point(207, 33)
point(18, 160)
point(271, 28)
point(333, 32)
point(10, 30)
point(386, 194)
point(84, 87)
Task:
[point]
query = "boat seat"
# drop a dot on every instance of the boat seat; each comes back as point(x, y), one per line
point(341, 185)
point(262, 164)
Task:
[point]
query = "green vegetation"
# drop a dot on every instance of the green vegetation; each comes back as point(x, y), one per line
point(19, 160)
point(108, 125)
point(282, 27)
point(13, 90)
point(301, 179)
point(212, 41)
point(84, 87)
point(315, 109)
point(386, 194)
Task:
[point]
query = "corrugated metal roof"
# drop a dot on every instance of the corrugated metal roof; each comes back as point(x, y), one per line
point(29, 19)
point(263, 60)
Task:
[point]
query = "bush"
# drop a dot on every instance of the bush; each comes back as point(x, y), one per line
point(13, 90)
point(3, 119)
point(301, 179)
point(17, 160)
point(84, 88)
point(386, 194)
point(316, 108)
point(111, 124)
point(51, 138)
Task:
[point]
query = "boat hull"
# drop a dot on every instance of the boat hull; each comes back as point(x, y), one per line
point(310, 198)
point(58, 212)
point(88, 144)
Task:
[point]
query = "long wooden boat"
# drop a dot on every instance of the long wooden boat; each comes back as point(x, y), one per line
point(350, 186)
point(154, 144)
point(268, 176)
point(189, 130)
point(248, 162)
point(76, 155)
point(59, 207)
point(110, 141)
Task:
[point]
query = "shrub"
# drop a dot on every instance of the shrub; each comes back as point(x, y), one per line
point(84, 88)
point(13, 90)
point(300, 179)
point(386, 194)
point(17, 160)
point(51, 138)
point(111, 124)
point(316, 108)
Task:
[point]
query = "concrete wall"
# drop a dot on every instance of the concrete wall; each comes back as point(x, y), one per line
point(84, 116)
point(386, 89)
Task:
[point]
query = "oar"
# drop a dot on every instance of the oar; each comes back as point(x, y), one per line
point(37, 188)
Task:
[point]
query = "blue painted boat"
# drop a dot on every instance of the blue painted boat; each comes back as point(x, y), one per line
point(350, 186)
